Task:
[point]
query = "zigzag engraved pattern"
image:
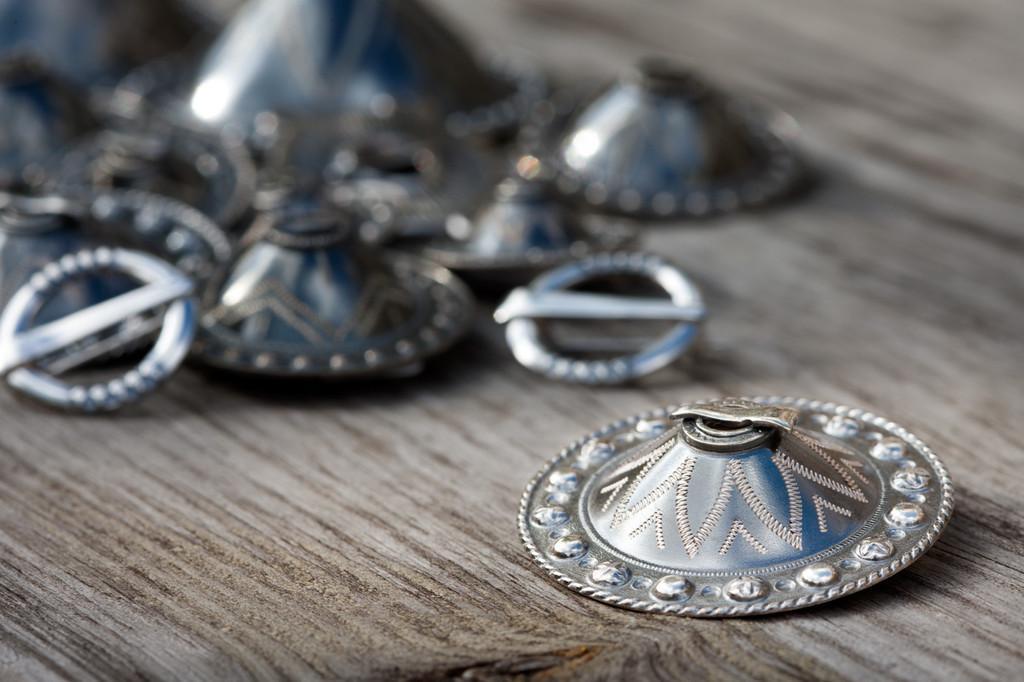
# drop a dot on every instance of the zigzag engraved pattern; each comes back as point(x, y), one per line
point(629, 477)
point(692, 542)
point(621, 513)
point(738, 528)
point(824, 481)
point(855, 467)
point(796, 507)
point(656, 520)
point(820, 504)
point(272, 296)
point(844, 472)
point(614, 489)
point(379, 297)
point(792, 536)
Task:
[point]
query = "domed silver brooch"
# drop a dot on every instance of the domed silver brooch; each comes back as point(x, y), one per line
point(735, 507)
point(349, 58)
point(521, 230)
point(666, 143)
point(305, 297)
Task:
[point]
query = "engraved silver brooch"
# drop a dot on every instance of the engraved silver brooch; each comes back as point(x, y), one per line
point(735, 507)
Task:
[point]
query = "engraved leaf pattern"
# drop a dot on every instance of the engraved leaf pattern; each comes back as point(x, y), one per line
point(842, 481)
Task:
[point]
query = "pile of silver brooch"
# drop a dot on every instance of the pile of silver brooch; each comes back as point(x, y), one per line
point(314, 188)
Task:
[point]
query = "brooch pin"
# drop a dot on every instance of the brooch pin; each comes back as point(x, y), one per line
point(35, 230)
point(584, 355)
point(32, 356)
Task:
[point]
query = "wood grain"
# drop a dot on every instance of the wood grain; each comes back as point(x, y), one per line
point(240, 531)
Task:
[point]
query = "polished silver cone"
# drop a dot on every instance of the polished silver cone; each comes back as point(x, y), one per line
point(92, 42)
point(736, 507)
point(364, 58)
point(524, 228)
point(306, 298)
point(42, 115)
point(208, 174)
point(665, 143)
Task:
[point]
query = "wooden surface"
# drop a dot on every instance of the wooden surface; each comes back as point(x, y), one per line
point(222, 531)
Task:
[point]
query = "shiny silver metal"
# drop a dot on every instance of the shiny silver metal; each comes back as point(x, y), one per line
point(174, 231)
point(31, 354)
point(208, 174)
point(301, 59)
point(35, 230)
point(556, 296)
point(665, 143)
point(306, 298)
point(404, 183)
point(92, 42)
point(735, 507)
point(522, 230)
point(42, 115)
point(213, 14)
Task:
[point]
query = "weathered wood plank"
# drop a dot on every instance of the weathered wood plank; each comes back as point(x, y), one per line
point(367, 531)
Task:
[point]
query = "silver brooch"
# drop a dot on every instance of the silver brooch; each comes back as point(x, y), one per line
point(177, 232)
point(735, 507)
point(403, 183)
point(602, 357)
point(32, 356)
point(306, 298)
point(665, 143)
point(42, 115)
point(354, 59)
point(201, 171)
point(35, 230)
point(523, 229)
point(93, 42)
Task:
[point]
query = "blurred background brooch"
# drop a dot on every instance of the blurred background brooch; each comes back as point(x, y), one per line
point(666, 143)
point(284, 61)
point(306, 297)
point(43, 115)
point(524, 228)
point(203, 171)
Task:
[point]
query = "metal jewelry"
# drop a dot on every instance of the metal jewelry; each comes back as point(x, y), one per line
point(522, 230)
point(306, 298)
point(206, 173)
point(552, 297)
point(735, 507)
point(665, 143)
point(33, 356)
